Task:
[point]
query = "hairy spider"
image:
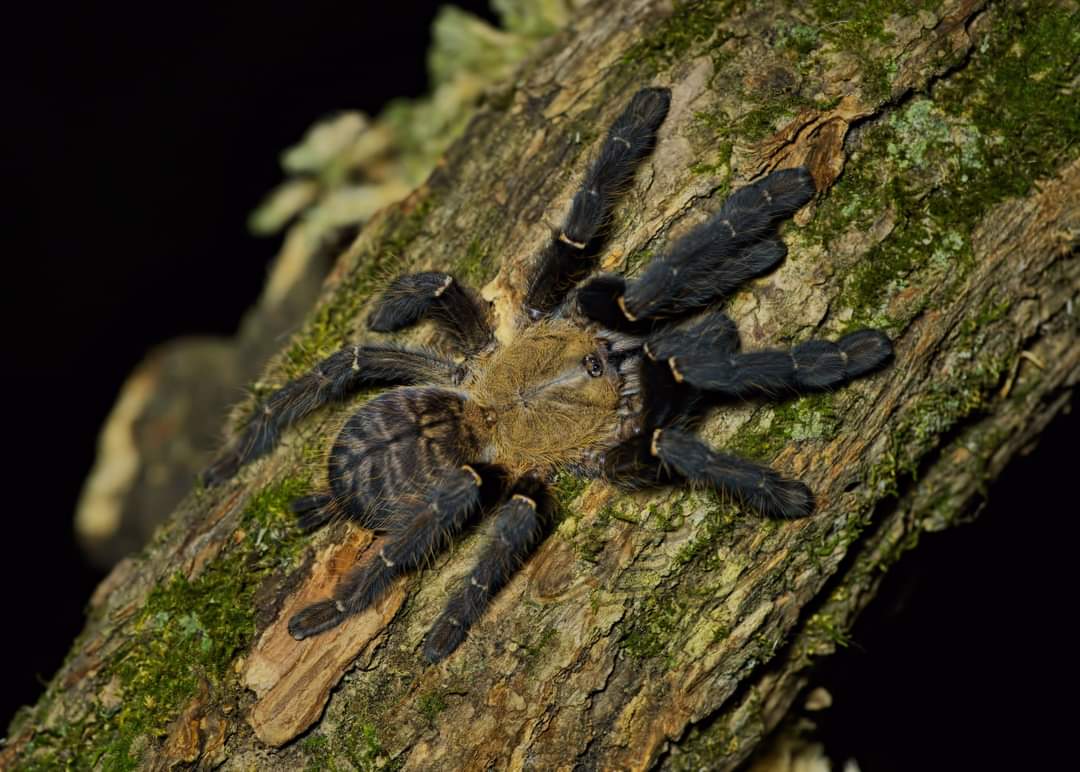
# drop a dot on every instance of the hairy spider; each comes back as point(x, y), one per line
point(600, 376)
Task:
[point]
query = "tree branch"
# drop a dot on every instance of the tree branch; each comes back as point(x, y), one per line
point(667, 629)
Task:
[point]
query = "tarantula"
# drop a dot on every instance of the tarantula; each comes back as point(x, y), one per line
point(599, 376)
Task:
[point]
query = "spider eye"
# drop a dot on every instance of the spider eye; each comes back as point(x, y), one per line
point(593, 365)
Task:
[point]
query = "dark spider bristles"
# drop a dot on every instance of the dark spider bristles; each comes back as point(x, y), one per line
point(600, 375)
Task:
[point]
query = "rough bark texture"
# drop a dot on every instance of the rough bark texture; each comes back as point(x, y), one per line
point(666, 630)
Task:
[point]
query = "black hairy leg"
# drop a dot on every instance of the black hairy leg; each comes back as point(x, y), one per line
point(331, 380)
point(630, 138)
point(668, 398)
point(313, 511)
point(456, 309)
point(518, 528)
point(419, 531)
point(713, 334)
point(816, 365)
point(733, 246)
point(760, 487)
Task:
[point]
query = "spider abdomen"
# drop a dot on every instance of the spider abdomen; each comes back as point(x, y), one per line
point(390, 449)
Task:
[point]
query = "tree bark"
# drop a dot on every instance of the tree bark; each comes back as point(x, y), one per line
point(669, 629)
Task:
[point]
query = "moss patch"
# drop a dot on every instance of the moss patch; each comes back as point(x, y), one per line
point(187, 632)
point(691, 26)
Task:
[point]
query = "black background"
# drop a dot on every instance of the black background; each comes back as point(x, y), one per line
point(139, 142)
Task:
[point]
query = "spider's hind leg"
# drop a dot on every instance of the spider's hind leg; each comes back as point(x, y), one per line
point(759, 486)
point(420, 530)
point(314, 511)
point(456, 309)
point(331, 380)
point(518, 528)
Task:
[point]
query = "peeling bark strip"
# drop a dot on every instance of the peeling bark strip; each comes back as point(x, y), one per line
point(668, 630)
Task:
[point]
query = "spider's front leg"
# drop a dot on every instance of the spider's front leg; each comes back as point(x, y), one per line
point(816, 365)
point(332, 380)
point(733, 246)
point(629, 139)
point(683, 365)
point(420, 530)
point(517, 530)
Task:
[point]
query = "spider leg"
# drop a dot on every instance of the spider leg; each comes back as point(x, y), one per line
point(758, 486)
point(667, 398)
point(518, 528)
point(734, 245)
point(629, 139)
point(456, 309)
point(333, 379)
point(314, 511)
point(812, 366)
point(421, 530)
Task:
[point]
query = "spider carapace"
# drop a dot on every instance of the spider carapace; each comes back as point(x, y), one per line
point(602, 376)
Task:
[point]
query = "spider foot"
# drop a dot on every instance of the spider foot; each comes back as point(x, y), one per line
point(444, 637)
point(438, 296)
point(221, 470)
point(316, 618)
point(313, 511)
point(865, 351)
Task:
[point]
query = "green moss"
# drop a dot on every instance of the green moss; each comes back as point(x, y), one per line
point(859, 28)
point(355, 746)
point(187, 633)
point(566, 488)
point(991, 129)
point(690, 27)
point(475, 266)
point(535, 648)
point(592, 536)
point(769, 116)
point(664, 516)
point(826, 627)
point(654, 625)
point(316, 748)
point(925, 169)
point(811, 417)
point(801, 38)
point(431, 705)
point(941, 407)
point(1017, 94)
point(717, 526)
